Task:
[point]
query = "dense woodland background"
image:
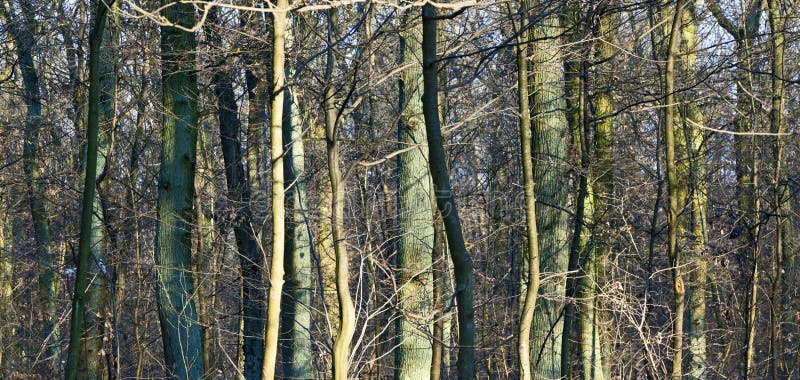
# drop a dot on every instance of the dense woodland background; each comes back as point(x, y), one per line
point(320, 189)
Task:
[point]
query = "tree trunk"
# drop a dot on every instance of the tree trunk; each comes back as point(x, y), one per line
point(462, 264)
point(777, 25)
point(87, 333)
point(414, 216)
point(250, 258)
point(695, 172)
point(531, 286)
point(673, 190)
point(550, 135)
point(296, 320)
point(347, 313)
point(181, 332)
point(595, 350)
point(276, 278)
point(47, 260)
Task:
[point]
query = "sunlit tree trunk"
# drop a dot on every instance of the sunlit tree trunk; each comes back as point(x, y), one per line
point(296, 320)
point(550, 164)
point(414, 216)
point(694, 170)
point(180, 331)
point(276, 276)
point(347, 314)
point(530, 288)
point(591, 323)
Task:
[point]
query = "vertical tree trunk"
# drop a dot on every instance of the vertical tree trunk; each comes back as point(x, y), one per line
point(550, 135)
point(777, 24)
point(696, 175)
point(744, 33)
point(276, 279)
point(673, 195)
point(347, 314)
point(462, 264)
point(180, 330)
point(296, 320)
point(250, 258)
point(531, 287)
point(47, 260)
point(597, 349)
point(6, 282)
point(87, 333)
point(414, 216)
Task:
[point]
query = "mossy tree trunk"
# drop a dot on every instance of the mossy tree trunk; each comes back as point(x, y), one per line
point(90, 303)
point(21, 32)
point(180, 331)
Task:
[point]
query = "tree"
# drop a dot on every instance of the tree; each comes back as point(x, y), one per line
point(21, 29)
point(415, 217)
point(673, 189)
point(250, 258)
point(347, 313)
point(462, 265)
point(180, 330)
point(550, 136)
point(296, 322)
point(783, 234)
point(84, 357)
point(693, 169)
point(276, 274)
point(531, 288)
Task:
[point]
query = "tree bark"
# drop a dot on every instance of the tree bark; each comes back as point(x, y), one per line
point(84, 357)
point(414, 216)
point(777, 25)
point(462, 263)
point(250, 258)
point(296, 320)
point(550, 165)
point(531, 288)
point(180, 330)
point(673, 195)
point(276, 279)
point(47, 260)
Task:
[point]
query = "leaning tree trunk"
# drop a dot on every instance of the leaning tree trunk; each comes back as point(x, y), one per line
point(414, 216)
point(462, 264)
point(181, 333)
